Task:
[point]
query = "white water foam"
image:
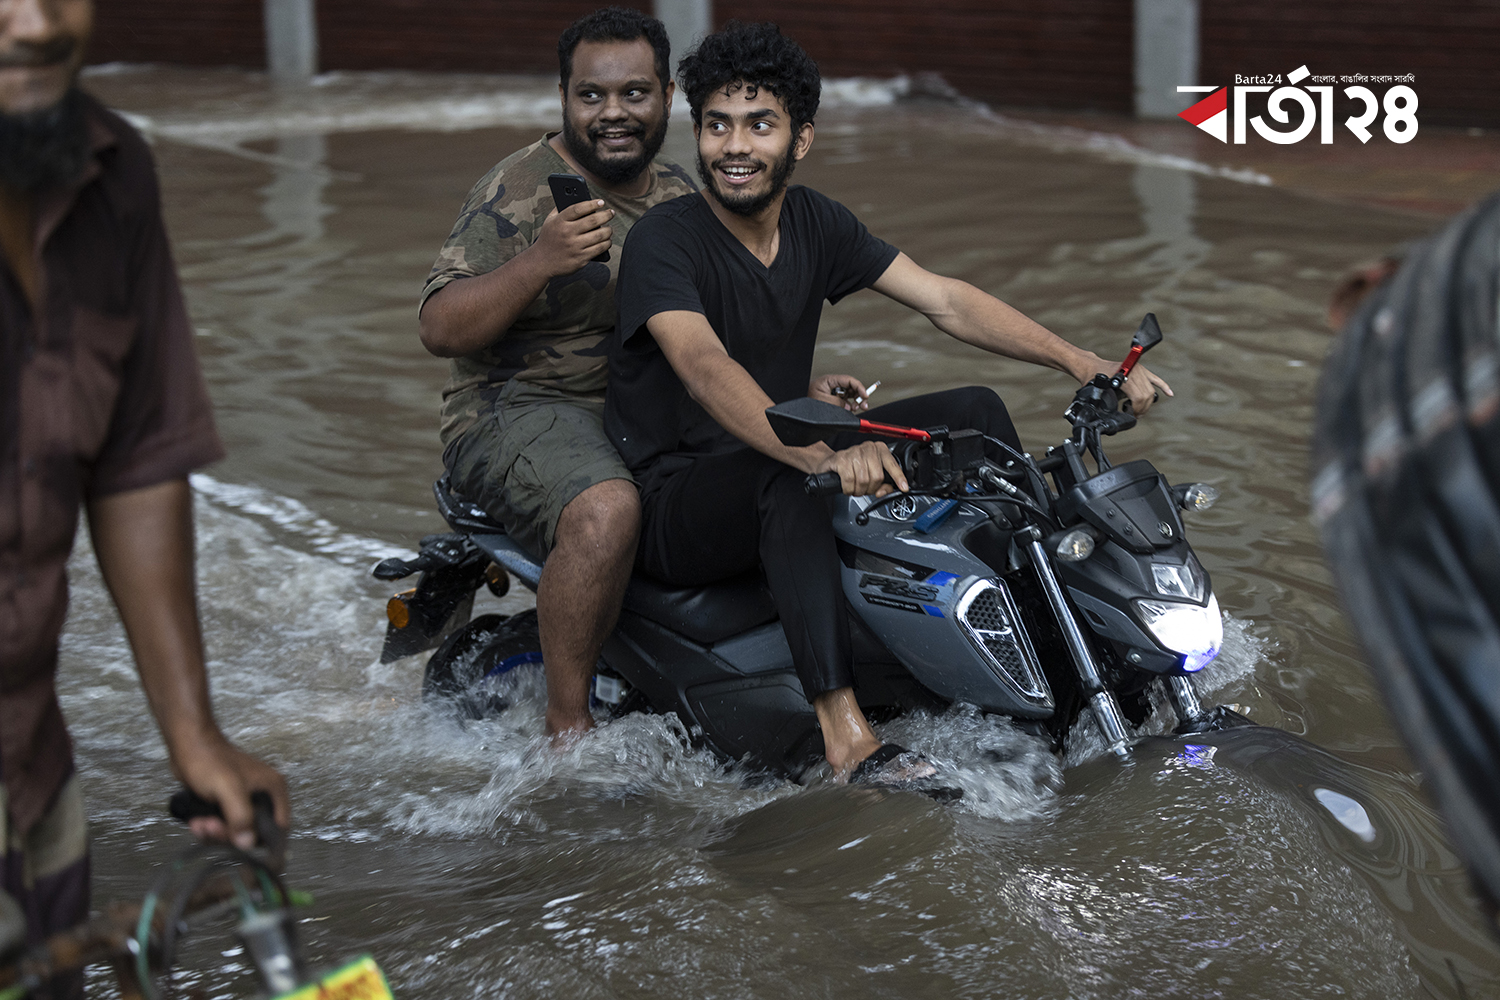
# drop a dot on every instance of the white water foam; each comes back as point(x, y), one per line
point(637, 756)
point(1111, 147)
point(363, 102)
point(329, 108)
point(293, 628)
point(317, 602)
point(296, 518)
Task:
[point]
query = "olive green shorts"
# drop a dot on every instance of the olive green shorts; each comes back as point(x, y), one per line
point(529, 455)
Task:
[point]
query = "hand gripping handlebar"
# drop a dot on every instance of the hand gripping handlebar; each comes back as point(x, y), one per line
point(823, 484)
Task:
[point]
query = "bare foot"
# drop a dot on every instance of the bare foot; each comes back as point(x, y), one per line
point(564, 731)
point(847, 737)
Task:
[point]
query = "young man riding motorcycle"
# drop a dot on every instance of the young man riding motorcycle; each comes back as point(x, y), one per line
point(719, 299)
point(520, 305)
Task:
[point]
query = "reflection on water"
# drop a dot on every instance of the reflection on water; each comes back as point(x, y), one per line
point(294, 199)
point(1169, 199)
point(472, 861)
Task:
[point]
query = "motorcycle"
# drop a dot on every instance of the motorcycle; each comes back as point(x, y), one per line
point(983, 584)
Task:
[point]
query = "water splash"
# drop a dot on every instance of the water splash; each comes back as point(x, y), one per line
point(372, 101)
point(294, 518)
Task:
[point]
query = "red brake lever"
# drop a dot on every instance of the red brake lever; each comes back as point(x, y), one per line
point(892, 430)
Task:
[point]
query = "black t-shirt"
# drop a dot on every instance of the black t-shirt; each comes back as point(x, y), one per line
point(679, 256)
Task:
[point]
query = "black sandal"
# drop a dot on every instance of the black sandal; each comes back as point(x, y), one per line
point(890, 767)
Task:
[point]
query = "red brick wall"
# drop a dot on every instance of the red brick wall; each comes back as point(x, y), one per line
point(1452, 46)
point(1065, 53)
point(191, 32)
point(484, 36)
point(1062, 53)
point(1058, 53)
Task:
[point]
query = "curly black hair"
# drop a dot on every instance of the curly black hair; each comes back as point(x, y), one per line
point(615, 24)
point(753, 55)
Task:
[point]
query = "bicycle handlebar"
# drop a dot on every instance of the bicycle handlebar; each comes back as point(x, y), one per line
point(188, 805)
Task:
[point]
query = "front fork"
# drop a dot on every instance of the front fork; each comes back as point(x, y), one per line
point(1101, 700)
point(1189, 710)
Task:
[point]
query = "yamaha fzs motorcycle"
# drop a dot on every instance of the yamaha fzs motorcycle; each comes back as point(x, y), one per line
point(985, 584)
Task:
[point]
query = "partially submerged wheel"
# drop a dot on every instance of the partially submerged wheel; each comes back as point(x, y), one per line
point(466, 665)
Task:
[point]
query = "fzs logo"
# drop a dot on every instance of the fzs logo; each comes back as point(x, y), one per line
point(1214, 115)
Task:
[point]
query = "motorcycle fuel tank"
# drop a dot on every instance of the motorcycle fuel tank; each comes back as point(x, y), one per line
point(943, 612)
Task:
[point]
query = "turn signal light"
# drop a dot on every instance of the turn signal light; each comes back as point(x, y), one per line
point(397, 611)
point(1076, 546)
point(496, 579)
point(1196, 496)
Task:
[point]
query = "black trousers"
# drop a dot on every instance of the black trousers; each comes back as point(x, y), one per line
point(726, 514)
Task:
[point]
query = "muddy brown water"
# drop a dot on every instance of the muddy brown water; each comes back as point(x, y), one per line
point(472, 862)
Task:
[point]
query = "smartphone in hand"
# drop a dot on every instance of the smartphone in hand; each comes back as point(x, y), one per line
point(570, 189)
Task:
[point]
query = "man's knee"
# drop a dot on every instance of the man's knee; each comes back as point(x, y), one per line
point(605, 516)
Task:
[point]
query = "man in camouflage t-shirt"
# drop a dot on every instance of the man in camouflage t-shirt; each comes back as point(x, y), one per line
point(519, 303)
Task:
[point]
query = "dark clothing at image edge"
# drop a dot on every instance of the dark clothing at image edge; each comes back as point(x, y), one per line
point(100, 393)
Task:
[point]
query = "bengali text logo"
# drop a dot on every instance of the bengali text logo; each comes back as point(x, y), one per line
point(1223, 113)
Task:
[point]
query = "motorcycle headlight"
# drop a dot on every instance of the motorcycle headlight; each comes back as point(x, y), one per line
point(1194, 631)
point(1185, 581)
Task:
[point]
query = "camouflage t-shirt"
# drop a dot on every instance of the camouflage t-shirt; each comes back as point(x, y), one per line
point(559, 340)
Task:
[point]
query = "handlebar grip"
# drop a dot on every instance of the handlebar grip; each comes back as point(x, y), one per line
point(187, 805)
point(823, 484)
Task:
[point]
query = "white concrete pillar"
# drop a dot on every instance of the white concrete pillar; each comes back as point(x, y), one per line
point(686, 22)
point(1166, 56)
point(291, 39)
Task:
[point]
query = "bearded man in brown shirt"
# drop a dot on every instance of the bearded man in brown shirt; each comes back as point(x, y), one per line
point(101, 405)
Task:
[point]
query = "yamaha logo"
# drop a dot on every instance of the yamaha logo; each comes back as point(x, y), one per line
point(904, 509)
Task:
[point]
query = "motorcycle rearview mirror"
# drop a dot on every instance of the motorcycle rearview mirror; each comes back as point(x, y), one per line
point(801, 422)
point(1148, 335)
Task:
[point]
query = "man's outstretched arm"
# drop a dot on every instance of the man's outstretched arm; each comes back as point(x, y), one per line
point(144, 542)
point(732, 397)
point(975, 317)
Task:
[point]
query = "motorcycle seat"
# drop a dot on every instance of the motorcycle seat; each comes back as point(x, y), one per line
point(705, 614)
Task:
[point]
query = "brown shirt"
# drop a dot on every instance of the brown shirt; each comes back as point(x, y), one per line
point(100, 392)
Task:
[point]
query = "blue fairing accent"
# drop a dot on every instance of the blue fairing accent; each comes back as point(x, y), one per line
point(512, 662)
point(934, 612)
point(934, 515)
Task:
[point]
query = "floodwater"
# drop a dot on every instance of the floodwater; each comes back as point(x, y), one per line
point(474, 862)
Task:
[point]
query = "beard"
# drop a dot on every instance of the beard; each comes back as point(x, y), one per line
point(746, 203)
point(614, 169)
point(45, 148)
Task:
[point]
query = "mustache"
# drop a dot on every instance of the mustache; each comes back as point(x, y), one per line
point(738, 161)
point(598, 130)
point(30, 56)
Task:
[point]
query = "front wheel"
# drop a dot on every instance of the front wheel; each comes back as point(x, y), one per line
point(465, 666)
